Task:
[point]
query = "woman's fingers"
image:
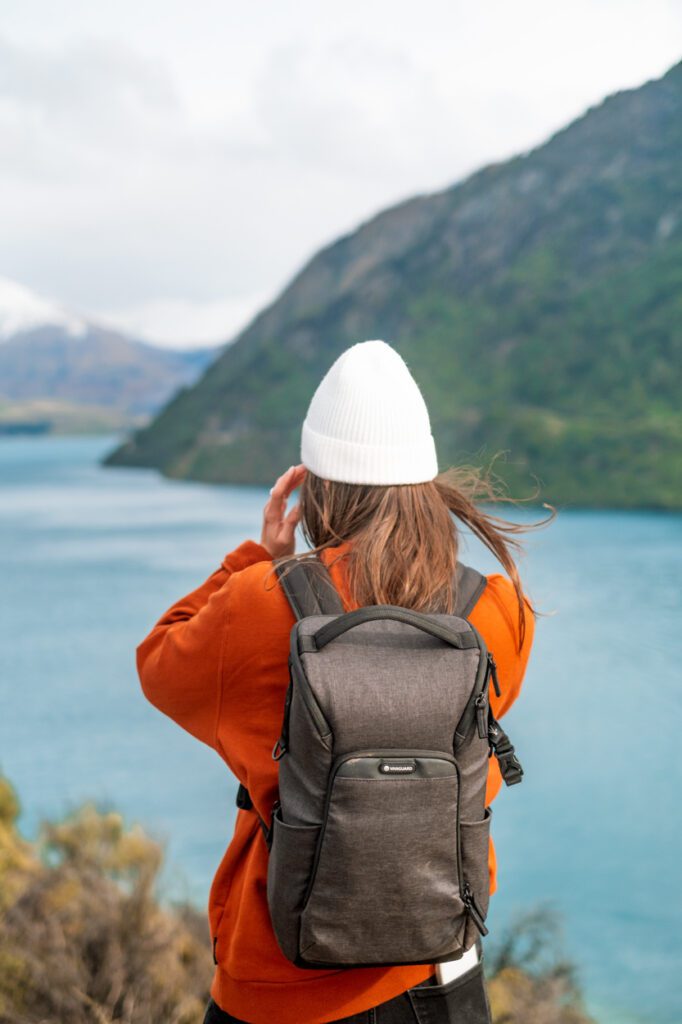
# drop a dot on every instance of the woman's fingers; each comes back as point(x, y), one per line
point(279, 527)
point(274, 508)
point(286, 483)
point(294, 515)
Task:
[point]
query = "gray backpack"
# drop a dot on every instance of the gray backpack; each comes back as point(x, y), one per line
point(379, 839)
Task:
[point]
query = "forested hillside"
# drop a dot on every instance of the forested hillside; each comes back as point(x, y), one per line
point(538, 304)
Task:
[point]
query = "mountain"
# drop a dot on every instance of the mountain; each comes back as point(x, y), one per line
point(538, 304)
point(47, 353)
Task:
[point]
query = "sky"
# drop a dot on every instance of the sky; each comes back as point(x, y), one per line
point(168, 167)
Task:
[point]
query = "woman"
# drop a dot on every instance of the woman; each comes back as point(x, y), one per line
point(373, 505)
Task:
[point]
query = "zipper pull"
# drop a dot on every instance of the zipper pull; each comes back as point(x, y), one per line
point(481, 704)
point(469, 901)
point(282, 745)
point(492, 666)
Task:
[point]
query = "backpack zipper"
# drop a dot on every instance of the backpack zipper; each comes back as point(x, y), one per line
point(481, 705)
point(479, 701)
point(469, 716)
point(492, 664)
point(309, 698)
point(282, 743)
point(473, 909)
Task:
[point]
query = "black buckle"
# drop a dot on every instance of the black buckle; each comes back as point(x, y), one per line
point(510, 768)
point(500, 745)
point(267, 832)
point(244, 802)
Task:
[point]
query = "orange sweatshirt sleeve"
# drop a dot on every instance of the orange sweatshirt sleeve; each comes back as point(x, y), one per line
point(180, 662)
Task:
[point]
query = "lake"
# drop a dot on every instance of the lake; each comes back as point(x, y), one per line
point(91, 558)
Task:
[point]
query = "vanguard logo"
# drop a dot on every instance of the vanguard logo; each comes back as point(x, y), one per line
point(400, 768)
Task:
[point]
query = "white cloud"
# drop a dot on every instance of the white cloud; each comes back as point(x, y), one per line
point(352, 107)
point(22, 310)
point(165, 165)
point(64, 113)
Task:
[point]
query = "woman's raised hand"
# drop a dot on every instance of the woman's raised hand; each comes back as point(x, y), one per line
point(279, 527)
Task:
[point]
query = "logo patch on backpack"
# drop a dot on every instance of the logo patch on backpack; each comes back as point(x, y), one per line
point(397, 767)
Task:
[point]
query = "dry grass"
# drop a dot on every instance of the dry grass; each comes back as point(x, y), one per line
point(82, 938)
point(529, 981)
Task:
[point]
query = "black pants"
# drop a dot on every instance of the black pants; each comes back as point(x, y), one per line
point(462, 1001)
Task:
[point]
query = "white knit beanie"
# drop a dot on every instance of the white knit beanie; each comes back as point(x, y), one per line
point(367, 422)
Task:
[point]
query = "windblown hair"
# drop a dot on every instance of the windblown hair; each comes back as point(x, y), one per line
point(405, 538)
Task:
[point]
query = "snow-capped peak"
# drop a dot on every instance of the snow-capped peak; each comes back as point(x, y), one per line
point(23, 310)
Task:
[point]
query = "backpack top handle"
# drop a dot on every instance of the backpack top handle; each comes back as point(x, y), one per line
point(428, 624)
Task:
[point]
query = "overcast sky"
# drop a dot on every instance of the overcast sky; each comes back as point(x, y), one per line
point(168, 166)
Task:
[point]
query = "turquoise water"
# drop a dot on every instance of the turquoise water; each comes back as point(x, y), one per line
point(90, 558)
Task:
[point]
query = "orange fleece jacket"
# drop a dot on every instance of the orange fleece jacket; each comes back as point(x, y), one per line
point(216, 663)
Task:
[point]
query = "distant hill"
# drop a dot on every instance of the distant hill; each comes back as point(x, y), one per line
point(49, 354)
point(538, 303)
point(46, 416)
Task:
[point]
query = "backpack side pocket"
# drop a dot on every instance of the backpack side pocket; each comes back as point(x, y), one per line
point(289, 867)
point(475, 881)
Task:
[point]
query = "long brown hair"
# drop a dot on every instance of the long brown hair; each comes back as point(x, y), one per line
point(405, 540)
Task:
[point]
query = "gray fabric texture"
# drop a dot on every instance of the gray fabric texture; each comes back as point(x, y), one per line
point(385, 888)
point(469, 584)
point(289, 869)
point(410, 688)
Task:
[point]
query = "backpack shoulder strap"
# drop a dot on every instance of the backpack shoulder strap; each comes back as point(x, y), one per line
point(309, 588)
point(469, 584)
